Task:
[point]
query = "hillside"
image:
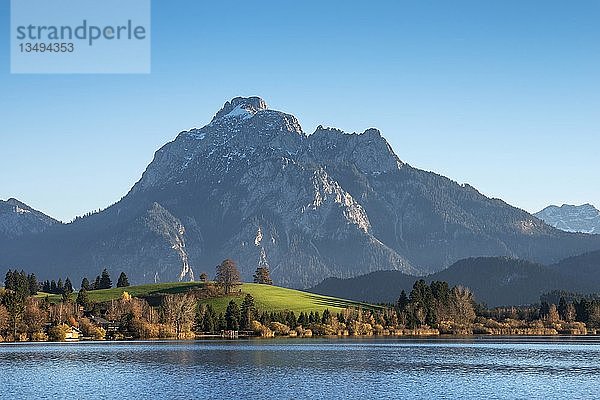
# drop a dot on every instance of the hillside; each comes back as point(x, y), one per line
point(266, 297)
point(494, 280)
point(18, 219)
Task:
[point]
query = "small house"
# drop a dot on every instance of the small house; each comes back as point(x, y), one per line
point(72, 334)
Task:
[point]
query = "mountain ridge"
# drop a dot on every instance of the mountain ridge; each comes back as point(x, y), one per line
point(496, 281)
point(571, 218)
point(18, 219)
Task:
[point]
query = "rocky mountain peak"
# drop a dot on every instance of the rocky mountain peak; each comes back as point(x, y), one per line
point(571, 218)
point(241, 107)
point(17, 218)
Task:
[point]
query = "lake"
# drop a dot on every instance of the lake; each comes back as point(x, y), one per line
point(304, 368)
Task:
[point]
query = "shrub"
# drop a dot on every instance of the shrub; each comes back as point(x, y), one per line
point(38, 337)
point(58, 333)
point(279, 328)
point(260, 329)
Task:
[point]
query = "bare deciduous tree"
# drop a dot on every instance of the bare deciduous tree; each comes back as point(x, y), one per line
point(179, 311)
point(228, 275)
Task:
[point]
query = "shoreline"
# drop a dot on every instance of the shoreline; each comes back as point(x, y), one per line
point(420, 338)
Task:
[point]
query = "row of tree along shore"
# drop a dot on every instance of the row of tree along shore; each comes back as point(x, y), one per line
point(429, 309)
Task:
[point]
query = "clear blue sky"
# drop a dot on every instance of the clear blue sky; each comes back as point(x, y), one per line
point(504, 95)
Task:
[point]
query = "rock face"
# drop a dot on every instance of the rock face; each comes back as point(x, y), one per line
point(252, 186)
point(18, 219)
point(569, 218)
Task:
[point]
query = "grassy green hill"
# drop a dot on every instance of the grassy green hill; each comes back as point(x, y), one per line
point(275, 298)
point(266, 297)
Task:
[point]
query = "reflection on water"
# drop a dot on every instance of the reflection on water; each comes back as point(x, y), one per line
point(304, 368)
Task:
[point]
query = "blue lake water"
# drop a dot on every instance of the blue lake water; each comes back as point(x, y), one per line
point(482, 368)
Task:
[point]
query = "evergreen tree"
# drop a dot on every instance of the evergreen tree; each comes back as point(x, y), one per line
point(232, 316)
point(9, 280)
point(263, 276)
point(15, 305)
point(96, 285)
point(248, 311)
point(291, 320)
point(60, 287)
point(85, 284)
point(122, 281)
point(68, 288)
point(402, 302)
point(105, 282)
point(562, 308)
point(83, 298)
point(302, 319)
point(209, 320)
point(33, 284)
point(221, 323)
point(53, 287)
point(46, 286)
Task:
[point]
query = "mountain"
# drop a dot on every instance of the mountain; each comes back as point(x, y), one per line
point(569, 218)
point(253, 186)
point(18, 219)
point(582, 271)
point(494, 280)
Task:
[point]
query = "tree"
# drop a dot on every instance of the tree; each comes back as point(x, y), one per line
point(96, 284)
point(83, 299)
point(553, 315)
point(68, 288)
point(228, 275)
point(463, 311)
point(60, 287)
point(85, 284)
point(33, 284)
point(203, 277)
point(402, 302)
point(421, 301)
point(4, 319)
point(53, 286)
point(105, 282)
point(9, 280)
point(15, 305)
point(123, 281)
point(232, 316)
point(209, 320)
point(248, 311)
point(263, 276)
point(179, 310)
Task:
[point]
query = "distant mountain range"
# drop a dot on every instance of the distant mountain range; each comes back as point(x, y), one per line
point(569, 218)
point(494, 280)
point(253, 186)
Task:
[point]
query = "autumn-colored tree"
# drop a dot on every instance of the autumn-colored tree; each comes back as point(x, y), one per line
point(228, 275)
point(179, 311)
point(34, 317)
point(263, 276)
